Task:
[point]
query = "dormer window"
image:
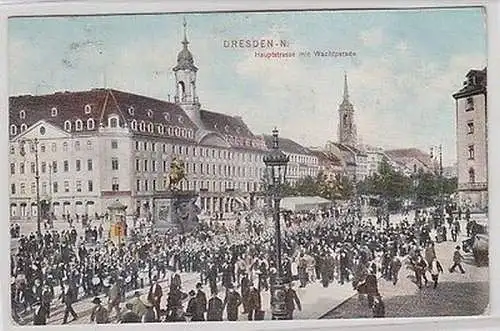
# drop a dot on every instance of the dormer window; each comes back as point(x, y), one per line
point(142, 126)
point(133, 125)
point(150, 127)
point(90, 124)
point(167, 116)
point(22, 114)
point(87, 109)
point(180, 119)
point(149, 112)
point(23, 127)
point(13, 129)
point(131, 111)
point(53, 112)
point(78, 125)
point(67, 125)
point(161, 129)
point(113, 122)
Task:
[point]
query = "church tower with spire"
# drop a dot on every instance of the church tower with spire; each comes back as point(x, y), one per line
point(347, 133)
point(185, 79)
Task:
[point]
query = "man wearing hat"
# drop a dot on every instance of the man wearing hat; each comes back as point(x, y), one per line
point(215, 308)
point(232, 301)
point(201, 300)
point(155, 294)
point(457, 261)
point(193, 308)
point(254, 302)
point(99, 313)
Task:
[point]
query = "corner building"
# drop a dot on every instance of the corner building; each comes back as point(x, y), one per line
point(97, 146)
point(472, 143)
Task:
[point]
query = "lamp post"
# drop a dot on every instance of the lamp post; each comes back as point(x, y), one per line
point(440, 177)
point(276, 166)
point(34, 144)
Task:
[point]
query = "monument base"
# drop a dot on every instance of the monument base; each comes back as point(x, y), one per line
point(175, 212)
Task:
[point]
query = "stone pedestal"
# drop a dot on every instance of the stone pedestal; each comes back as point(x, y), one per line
point(175, 211)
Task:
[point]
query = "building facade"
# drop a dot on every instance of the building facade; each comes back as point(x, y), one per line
point(409, 161)
point(95, 147)
point(472, 143)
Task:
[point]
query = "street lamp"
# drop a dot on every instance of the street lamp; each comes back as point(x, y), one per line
point(276, 165)
point(34, 145)
point(440, 174)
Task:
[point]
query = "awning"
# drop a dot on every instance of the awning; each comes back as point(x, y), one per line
point(304, 203)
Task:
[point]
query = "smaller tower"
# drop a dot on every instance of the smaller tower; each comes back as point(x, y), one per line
point(185, 79)
point(347, 133)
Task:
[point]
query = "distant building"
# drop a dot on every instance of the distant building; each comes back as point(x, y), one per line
point(450, 171)
point(472, 143)
point(375, 156)
point(354, 160)
point(329, 164)
point(303, 162)
point(410, 160)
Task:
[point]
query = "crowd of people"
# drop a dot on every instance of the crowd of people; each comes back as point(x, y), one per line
point(235, 267)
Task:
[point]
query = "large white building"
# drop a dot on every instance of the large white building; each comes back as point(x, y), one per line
point(97, 146)
point(472, 142)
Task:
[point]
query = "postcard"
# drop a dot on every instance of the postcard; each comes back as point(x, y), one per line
point(248, 166)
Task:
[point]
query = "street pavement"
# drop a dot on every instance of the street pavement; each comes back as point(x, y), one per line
point(456, 295)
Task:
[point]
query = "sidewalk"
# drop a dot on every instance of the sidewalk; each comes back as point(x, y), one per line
point(316, 300)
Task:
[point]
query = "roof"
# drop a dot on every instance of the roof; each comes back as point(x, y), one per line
point(303, 203)
point(413, 153)
point(98, 104)
point(349, 148)
point(475, 84)
point(287, 145)
point(328, 157)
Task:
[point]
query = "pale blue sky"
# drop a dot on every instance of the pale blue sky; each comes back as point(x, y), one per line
point(408, 64)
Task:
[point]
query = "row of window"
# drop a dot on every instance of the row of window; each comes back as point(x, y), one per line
point(303, 159)
point(198, 168)
point(197, 151)
point(152, 185)
point(54, 189)
point(53, 147)
point(53, 166)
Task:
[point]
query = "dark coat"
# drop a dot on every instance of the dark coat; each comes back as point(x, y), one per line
point(40, 317)
point(130, 317)
point(292, 300)
point(194, 309)
point(202, 300)
point(215, 309)
point(155, 297)
point(254, 301)
point(232, 302)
